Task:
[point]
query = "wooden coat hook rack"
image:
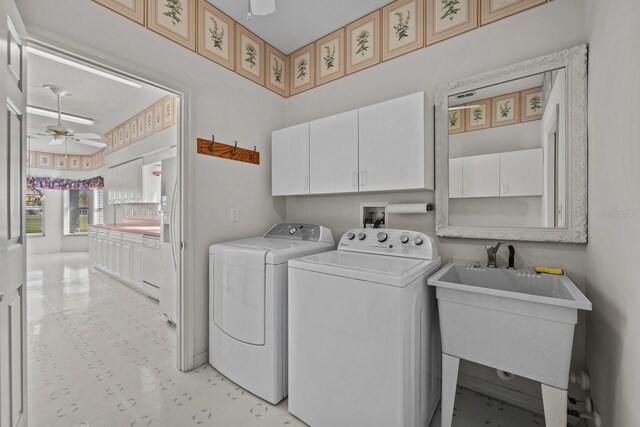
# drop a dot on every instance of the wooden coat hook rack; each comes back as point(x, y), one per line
point(232, 152)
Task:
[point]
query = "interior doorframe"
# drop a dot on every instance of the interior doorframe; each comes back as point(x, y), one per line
point(56, 44)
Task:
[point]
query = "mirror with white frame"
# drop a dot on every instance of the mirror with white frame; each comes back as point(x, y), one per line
point(511, 152)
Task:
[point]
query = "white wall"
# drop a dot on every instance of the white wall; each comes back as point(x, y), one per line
point(557, 25)
point(220, 102)
point(54, 239)
point(613, 339)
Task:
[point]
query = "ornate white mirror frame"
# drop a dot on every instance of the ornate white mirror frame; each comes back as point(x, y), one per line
point(574, 61)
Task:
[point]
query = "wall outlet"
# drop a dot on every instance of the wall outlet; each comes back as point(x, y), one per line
point(234, 215)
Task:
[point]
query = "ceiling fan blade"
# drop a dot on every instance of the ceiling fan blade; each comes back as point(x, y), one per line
point(56, 141)
point(262, 7)
point(90, 143)
point(87, 135)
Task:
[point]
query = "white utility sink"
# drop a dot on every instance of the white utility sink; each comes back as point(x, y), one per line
point(517, 321)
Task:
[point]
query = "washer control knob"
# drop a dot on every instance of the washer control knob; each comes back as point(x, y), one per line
point(293, 230)
point(351, 236)
point(404, 239)
point(361, 236)
point(417, 240)
point(382, 236)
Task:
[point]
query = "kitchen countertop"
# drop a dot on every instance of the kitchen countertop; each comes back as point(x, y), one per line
point(147, 230)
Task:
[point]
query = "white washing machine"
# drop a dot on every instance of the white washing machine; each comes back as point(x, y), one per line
point(248, 305)
point(364, 343)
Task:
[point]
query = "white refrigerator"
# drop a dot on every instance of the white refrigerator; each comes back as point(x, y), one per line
point(170, 223)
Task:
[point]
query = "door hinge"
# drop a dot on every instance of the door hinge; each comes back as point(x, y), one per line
point(182, 245)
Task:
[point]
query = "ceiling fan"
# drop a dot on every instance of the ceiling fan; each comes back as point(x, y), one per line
point(60, 134)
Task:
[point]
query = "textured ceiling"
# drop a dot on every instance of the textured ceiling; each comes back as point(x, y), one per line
point(296, 23)
point(107, 102)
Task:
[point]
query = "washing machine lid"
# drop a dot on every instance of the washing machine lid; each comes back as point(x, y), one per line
point(382, 269)
point(277, 250)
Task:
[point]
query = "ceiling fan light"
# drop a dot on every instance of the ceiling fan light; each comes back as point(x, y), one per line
point(262, 7)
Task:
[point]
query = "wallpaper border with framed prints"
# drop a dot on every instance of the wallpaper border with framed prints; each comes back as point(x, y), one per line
point(471, 14)
point(43, 160)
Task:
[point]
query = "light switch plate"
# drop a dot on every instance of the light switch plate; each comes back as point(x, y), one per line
point(234, 215)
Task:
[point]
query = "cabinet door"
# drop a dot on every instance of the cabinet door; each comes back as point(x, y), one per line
point(455, 178)
point(117, 258)
point(521, 173)
point(481, 176)
point(392, 144)
point(109, 256)
point(333, 154)
point(290, 161)
point(126, 254)
point(136, 265)
point(136, 178)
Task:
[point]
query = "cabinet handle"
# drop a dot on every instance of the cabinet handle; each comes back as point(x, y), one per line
point(354, 179)
point(363, 178)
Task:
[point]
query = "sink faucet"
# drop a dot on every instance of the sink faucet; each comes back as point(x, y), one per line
point(491, 255)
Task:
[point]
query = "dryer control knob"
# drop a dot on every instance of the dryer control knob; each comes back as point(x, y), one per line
point(417, 240)
point(351, 236)
point(382, 236)
point(361, 236)
point(404, 239)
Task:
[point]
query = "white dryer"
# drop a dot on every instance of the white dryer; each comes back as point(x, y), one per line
point(364, 343)
point(248, 305)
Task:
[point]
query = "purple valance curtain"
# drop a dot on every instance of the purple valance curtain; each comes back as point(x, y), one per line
point(64, 183)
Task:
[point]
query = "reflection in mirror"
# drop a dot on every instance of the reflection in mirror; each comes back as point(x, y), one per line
point(508, 154)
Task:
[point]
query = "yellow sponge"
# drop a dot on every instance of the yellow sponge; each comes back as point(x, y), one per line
point(549, 270)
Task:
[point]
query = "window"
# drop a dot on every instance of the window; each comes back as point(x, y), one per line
point(76, 212)
point(35, 212)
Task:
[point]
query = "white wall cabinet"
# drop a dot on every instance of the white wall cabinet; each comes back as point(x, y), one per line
point(132, 182)
point(290, 161)
point(392, 145)
point(333, 154)
point(521, 173)
point(508, 174)
point(381, 147)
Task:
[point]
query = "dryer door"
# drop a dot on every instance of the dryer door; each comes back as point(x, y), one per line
point(239, 292)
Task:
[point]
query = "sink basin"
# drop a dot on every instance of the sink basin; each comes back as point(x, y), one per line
point(517, 321)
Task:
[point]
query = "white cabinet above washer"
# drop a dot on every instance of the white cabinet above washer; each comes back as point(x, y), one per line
point(290, 160)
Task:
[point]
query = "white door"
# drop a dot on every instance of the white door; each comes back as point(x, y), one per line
point(481, 176)
point(392, 144)
point(290, 161)
point(333, 154)
point(13, 344)
point(455, 178)
point(521, 173)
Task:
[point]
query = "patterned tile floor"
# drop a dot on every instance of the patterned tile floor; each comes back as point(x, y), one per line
point(100, 354)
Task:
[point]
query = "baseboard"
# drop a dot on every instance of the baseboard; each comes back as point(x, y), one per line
point(200, 359)
point(503, 393)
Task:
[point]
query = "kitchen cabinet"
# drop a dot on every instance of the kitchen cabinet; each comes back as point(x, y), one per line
point(521, 173)
point(455, 178)
point(392, 146)
point(290, 160)
point(333, 154)
point(481, 176)
point(381, 147)
point(132, 182)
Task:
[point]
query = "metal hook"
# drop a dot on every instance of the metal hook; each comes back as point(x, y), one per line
point(235, 148)
point(213, 138)
point(253, 155)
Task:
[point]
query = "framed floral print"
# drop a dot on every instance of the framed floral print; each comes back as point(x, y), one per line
point(478, 115)
point(492, 10)
point(141, 126)
point(86, 163)
point(330, 57)
point(302, 63)
point(456, 121)
point(133, 125)
point(448, 18)
point(531, 107)
point(60, 162)
point(505, 109)
point(173, 19)
point(157, 116)
point(402, 28)
point(120, 133)
point(148, 122)
point(363, 43)
point(215, 35)
point(127, 133)
point(132, 9)
point(109, 138)
point(249, 55)
point(75, 163)
point(168, 111)
point(277, 72)
point(45, 161)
